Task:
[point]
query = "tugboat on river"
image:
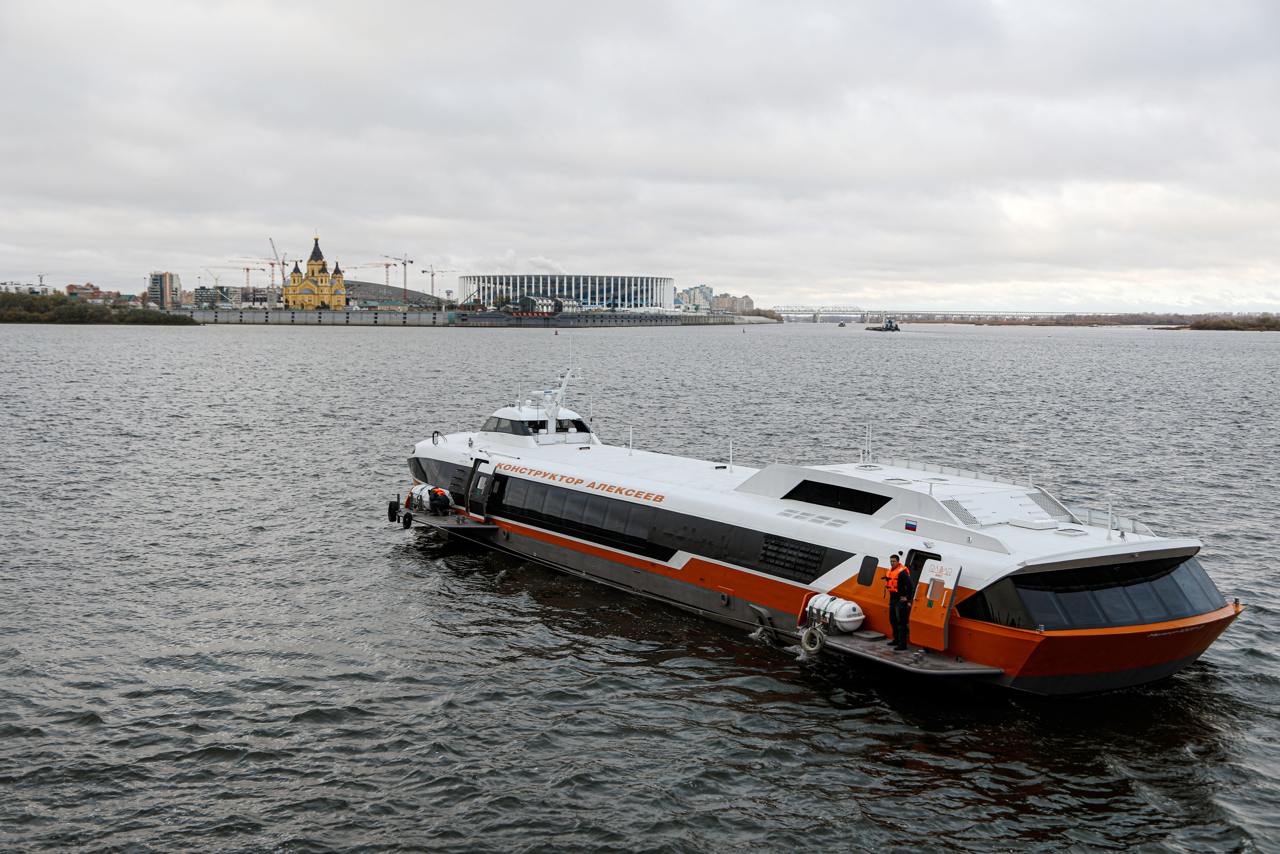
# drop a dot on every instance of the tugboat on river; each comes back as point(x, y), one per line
point(1011, 585)
point(889, 325)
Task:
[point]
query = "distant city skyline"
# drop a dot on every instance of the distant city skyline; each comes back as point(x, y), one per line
point(933, 155)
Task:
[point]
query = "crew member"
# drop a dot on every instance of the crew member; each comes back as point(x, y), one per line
point(438, 501)
point(901, 588)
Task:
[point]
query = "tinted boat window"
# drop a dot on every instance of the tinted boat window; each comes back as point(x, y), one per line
point(615, 517)
point(1080, 610)
point(639, 521)
point(1150, 609)
point(1196, 571)
point(515, 492)
point(553, 507)
point(1171, 595)
point(1092, 597)
point(1044, 609)
point(655, 532)
point(1115, 605)
point(1186, 580)
point(867, 572)
point(593, 514)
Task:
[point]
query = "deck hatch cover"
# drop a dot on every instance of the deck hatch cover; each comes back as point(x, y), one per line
point(839, 497)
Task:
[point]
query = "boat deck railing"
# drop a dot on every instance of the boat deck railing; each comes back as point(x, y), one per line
point(948, 471)
point(1098, 519)
point(1090, 516)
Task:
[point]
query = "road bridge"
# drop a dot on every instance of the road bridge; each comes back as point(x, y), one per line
point(823, 313)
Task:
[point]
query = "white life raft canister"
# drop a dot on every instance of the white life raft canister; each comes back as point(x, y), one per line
point(835, 613)
point(420, 496)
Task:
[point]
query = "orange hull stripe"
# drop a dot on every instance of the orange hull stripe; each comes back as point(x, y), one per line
point(699, 572)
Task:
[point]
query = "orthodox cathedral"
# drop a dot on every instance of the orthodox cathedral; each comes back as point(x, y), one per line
point(317, 288)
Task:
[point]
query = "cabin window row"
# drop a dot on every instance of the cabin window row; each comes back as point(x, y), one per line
point(530, 428)
point(1098, 597)
point(608, 521)
point(659, 534)
point(641, 529)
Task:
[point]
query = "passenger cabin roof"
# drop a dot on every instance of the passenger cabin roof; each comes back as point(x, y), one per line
point(944, 505)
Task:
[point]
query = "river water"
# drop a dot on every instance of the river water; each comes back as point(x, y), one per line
point(211, 639)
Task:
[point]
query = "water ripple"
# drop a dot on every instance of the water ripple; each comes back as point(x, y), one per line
point(209, 640)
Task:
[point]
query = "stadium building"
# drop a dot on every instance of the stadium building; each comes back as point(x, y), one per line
point(592, 293)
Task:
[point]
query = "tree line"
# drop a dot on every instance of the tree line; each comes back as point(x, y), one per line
point(58, 308)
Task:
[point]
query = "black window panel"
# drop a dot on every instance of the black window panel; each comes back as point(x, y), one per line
point(1171, 595)
point(1110, 595)
point(1191, 590)
point(517, 489)
point(1145, 570)
point(1044, 610)
point(418, 471)
point(639, 521)
point(744, 546)
point(839, 497)
point(1081, 610)
point(593, 514)
point(1150, 608)
point(490, 426)
point(657, 533)
point(1116, 607)
point(540, 501)
point(551, 516)
point(575, 503)
point(1191, 578)
point(615, 517)
point(506, 425)
point(1215, 597)
point(867, 572)
point(1001, 604)
point(975, 607)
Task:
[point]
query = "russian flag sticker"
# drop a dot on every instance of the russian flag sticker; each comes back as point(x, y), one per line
point(910, 525)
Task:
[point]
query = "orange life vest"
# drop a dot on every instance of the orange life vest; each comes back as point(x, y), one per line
point(891, 577)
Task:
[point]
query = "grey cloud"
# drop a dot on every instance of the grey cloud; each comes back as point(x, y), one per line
point(933, 154)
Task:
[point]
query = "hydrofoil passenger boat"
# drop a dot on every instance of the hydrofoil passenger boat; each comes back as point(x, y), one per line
point(1012, 586)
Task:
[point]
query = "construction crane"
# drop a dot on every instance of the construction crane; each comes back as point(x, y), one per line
point(404, 261)
point(247, 295)
point(385, 265)
point(247, 268)
point(272, 263)
point(432, 269)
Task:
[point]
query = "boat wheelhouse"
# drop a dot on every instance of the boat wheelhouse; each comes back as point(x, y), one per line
point(1012, 586)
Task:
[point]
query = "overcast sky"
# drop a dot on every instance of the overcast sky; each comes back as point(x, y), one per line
point(894, 154)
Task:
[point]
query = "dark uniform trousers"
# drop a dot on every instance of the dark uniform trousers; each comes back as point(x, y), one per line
point(900, 618)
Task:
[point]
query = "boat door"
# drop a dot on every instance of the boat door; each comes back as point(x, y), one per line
point(931, 608)
point(479, 486)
